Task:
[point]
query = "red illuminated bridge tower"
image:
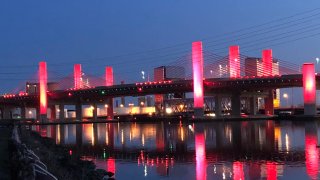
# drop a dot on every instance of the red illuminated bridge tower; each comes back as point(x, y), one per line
point(197, 68)
point(309, 89)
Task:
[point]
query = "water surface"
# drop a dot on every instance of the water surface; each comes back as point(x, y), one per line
point(217, 150)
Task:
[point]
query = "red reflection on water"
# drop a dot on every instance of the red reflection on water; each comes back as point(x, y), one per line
point(43, 131)
point(111, 165)
point(238, 173)
point(37, 128)
point(271, 171)
point(200, 157)
point(312, 156)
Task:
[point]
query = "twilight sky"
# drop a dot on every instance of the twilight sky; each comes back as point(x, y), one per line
point(138, 35)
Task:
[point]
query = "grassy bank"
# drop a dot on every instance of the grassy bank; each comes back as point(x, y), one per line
point(58, 160)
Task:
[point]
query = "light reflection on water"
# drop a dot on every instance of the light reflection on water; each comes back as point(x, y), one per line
point(219, 150)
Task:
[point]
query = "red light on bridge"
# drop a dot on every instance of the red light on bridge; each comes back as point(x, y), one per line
point(21, 93)
point(9, 96)
point(43, 87)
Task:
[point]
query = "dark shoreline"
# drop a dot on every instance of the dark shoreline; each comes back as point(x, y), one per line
point(58, 160)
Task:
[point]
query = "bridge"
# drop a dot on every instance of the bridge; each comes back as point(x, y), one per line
point(238, 78)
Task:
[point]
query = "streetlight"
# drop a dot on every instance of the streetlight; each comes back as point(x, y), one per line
point(142, 73)
point(285, 95)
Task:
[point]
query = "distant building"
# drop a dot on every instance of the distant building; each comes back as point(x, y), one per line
point(164, 73)
point(33, 88)
point(220, 70)
point(253, 67)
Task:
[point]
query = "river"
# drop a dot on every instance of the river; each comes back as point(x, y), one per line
point(217, 150)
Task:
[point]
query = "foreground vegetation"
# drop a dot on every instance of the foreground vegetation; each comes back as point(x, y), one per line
point(58, 160)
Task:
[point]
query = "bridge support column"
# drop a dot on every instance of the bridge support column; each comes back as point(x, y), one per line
point(110, 109)
point(198, 112)
point(23, 112)
point(253, 105)
point(309, 89)
point(235, 104)
point(94, 112)
point(61, 112)
point(38, 115)
point(43, 118)
point(53, 112)
point(79, 111)
point(6, 113)
point(268, 103)
point(217, 105)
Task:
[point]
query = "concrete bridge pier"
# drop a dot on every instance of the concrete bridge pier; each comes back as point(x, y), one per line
point(23, 112)
point(41, 117)
point(61, 112)
point(110, 109)
point(94, 112)
point(53, 112)
point(268, 103)
point(79, 111)
point(235, 104)
point(38, 113)
point(61, 132)
point(6, 113)
point(253, 105)
point(198, 112)
point(217, 105)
